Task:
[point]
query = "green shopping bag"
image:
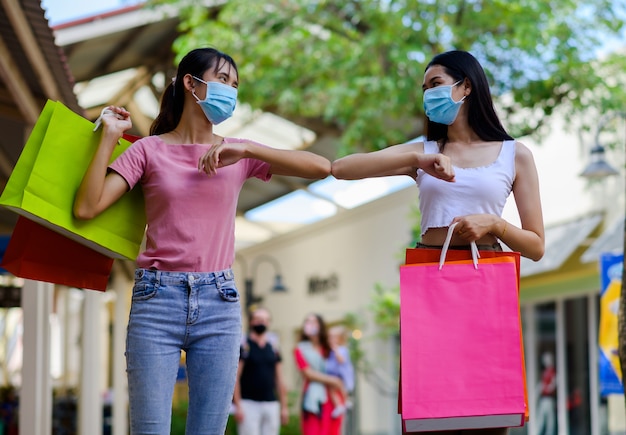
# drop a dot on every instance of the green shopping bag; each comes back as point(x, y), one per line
point(44, 181)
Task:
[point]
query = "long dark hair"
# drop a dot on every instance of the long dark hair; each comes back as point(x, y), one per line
point(481, 114)
point(196, 62)
point(322, 334)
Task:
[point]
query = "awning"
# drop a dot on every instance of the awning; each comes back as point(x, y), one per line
point(611, 240)
point(561, 241)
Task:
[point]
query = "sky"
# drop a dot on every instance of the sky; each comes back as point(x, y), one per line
point(61, 11)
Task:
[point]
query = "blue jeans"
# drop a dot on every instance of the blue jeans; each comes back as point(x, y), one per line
point(173, 311)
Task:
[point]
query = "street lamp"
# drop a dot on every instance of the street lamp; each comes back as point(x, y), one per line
point(598, 166)
point(279, 287)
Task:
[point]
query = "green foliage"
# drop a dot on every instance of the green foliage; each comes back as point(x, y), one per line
point(385, 306)
point(179, 417)
point(353, 69)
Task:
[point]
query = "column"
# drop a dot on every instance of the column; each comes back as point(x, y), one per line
point(35, 414)
point(120, 383)
point(561, 369)
point(90, 396)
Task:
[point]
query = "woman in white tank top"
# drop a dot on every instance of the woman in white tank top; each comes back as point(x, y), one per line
point(465, 170)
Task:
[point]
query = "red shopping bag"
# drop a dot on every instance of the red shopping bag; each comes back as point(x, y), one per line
point(461, 354)
point(39, 253)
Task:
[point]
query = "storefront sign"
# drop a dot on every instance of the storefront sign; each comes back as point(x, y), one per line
point(328, 285)
point(611, 266)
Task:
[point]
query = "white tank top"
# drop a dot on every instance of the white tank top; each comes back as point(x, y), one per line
point(483, 189)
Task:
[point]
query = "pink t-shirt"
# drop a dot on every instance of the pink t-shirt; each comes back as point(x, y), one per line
point(191, 217)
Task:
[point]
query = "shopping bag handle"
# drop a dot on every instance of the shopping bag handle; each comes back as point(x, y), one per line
point(98, 122)
point(446, 245)
point(105, 111)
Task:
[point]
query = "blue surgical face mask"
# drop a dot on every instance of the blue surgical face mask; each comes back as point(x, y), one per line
point(439, 105)
point(220, 101)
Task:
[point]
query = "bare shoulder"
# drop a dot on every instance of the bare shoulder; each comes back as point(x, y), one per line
point(525, 166)
point(521, 148)
point(523, 154)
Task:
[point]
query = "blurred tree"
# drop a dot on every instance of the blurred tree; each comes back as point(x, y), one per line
point(353, 69)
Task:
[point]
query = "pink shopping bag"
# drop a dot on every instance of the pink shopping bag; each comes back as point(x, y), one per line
point(461, 359)
point(431, 255)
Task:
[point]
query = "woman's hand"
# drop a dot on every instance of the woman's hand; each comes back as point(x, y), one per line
point(115, 120)
point(437, 165)
point(221, 155)
point(474, 227)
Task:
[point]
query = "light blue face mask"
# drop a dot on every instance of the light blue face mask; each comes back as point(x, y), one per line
point(439, 105)
point(220, 101)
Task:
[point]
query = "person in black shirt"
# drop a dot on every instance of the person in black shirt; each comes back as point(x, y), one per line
point(260, 397)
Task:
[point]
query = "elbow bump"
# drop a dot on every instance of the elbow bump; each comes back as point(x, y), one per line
point(318, 171)
point(336, 171)
point(325, 170)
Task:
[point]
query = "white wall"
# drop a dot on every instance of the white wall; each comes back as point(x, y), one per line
point(362, 247)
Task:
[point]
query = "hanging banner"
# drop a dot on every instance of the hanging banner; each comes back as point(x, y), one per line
point(611, 267)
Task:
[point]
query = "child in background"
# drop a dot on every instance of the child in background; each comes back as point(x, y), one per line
point(339, 364)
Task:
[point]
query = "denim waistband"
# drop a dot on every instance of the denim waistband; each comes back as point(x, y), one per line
point(184, 277)
point(494, 247)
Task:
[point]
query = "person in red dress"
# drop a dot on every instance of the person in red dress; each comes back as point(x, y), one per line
point(546, 407)
point(310, 355)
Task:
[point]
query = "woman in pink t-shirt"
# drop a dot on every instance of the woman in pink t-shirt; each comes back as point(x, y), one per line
point(184, 296)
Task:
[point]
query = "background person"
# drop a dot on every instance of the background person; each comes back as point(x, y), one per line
point(184, 297)
point(310, 355)
point(260, 393)
point(546, 405)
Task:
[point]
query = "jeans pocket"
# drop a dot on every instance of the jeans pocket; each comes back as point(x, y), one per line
point(228, 292)
point(144, 290)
